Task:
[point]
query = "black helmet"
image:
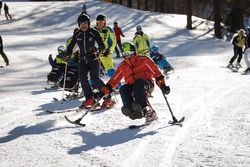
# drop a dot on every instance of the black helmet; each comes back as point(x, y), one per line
point(83, 18)
point(138, 28)
point(101, 17)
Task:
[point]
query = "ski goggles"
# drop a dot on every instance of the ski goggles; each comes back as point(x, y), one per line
point(100, 22)
point(128, 54)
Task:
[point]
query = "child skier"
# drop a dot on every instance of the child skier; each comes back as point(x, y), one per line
point(137, 72)
point(160, 60)
point(58, 66)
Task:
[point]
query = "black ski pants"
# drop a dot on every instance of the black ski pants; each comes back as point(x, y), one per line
point(135, 92)
point(237, 51)
point(4, 56)
point(92, 69)
point(118, 45)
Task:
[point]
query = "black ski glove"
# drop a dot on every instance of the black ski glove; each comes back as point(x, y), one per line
point(165, 89)
point(106, 53)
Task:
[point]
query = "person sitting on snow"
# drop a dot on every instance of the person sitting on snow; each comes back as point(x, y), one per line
point(160, 60)
point(137, 72)
point(58, 66)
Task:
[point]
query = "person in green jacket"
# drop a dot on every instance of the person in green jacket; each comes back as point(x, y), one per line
point(141, 41)
point(108, 37)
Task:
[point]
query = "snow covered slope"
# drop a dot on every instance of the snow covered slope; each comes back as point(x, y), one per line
point(214, 100)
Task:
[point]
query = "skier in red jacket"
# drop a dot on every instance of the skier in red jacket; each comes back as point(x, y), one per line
point(118, 34)
point(138, 72)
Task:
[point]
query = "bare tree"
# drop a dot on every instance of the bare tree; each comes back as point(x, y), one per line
point(189, 13)
point(236, 15)
point(146, 4)
point(217, 19)
point(130, 3)
point(139, 4)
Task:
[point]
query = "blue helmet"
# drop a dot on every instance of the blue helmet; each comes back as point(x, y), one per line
point(154, 48)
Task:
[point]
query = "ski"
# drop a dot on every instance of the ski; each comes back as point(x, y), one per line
point(64, 111)
point(77, 109)
point(1, 66)
point(176, 122)
point(51, 88)
point(139, 126)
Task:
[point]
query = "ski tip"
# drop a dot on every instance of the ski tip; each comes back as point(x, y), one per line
point(178, 123)
point(133, 127)
point(49, 111)
point(74, 122)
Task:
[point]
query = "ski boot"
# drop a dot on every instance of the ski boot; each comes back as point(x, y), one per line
point(230, 66)
point(247, 70)
point(108, 102)
point(150, 114)
point(237, 65)
point(88, 103)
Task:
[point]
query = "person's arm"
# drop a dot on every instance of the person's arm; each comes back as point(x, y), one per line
point(99, 41)
point(122, 33)
point(71, 45)
point(111, 39)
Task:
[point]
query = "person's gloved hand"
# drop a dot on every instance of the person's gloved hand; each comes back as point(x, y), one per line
point(161, 83)
point(94, 51)
point(105, 90)
point(106, 52)
point(165, 89)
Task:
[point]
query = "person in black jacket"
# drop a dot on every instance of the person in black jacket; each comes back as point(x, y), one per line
point(2, 53)
point(6, 11)
point(89, 62)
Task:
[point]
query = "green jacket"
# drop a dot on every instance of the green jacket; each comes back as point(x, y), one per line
point(108, 37)
point(142, 43)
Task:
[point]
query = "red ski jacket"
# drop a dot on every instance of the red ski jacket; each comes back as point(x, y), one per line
point(118, 33)
point(134, 68)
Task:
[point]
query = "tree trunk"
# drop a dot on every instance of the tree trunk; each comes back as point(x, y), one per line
point(189, 13)
point(236, 21)
point(146, 4)
point(130, 3)
point(139, 4)
point(162, 6)
point(217, 19)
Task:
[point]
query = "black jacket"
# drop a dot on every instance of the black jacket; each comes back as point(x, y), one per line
point(86, 40)
point(1, 43)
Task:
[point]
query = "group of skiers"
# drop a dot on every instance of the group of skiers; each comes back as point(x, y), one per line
point(241, 44)
point(95, 48)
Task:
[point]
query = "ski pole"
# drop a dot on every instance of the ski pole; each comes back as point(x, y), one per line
point(64, 81)
point(84, 114)
point(173, 117)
